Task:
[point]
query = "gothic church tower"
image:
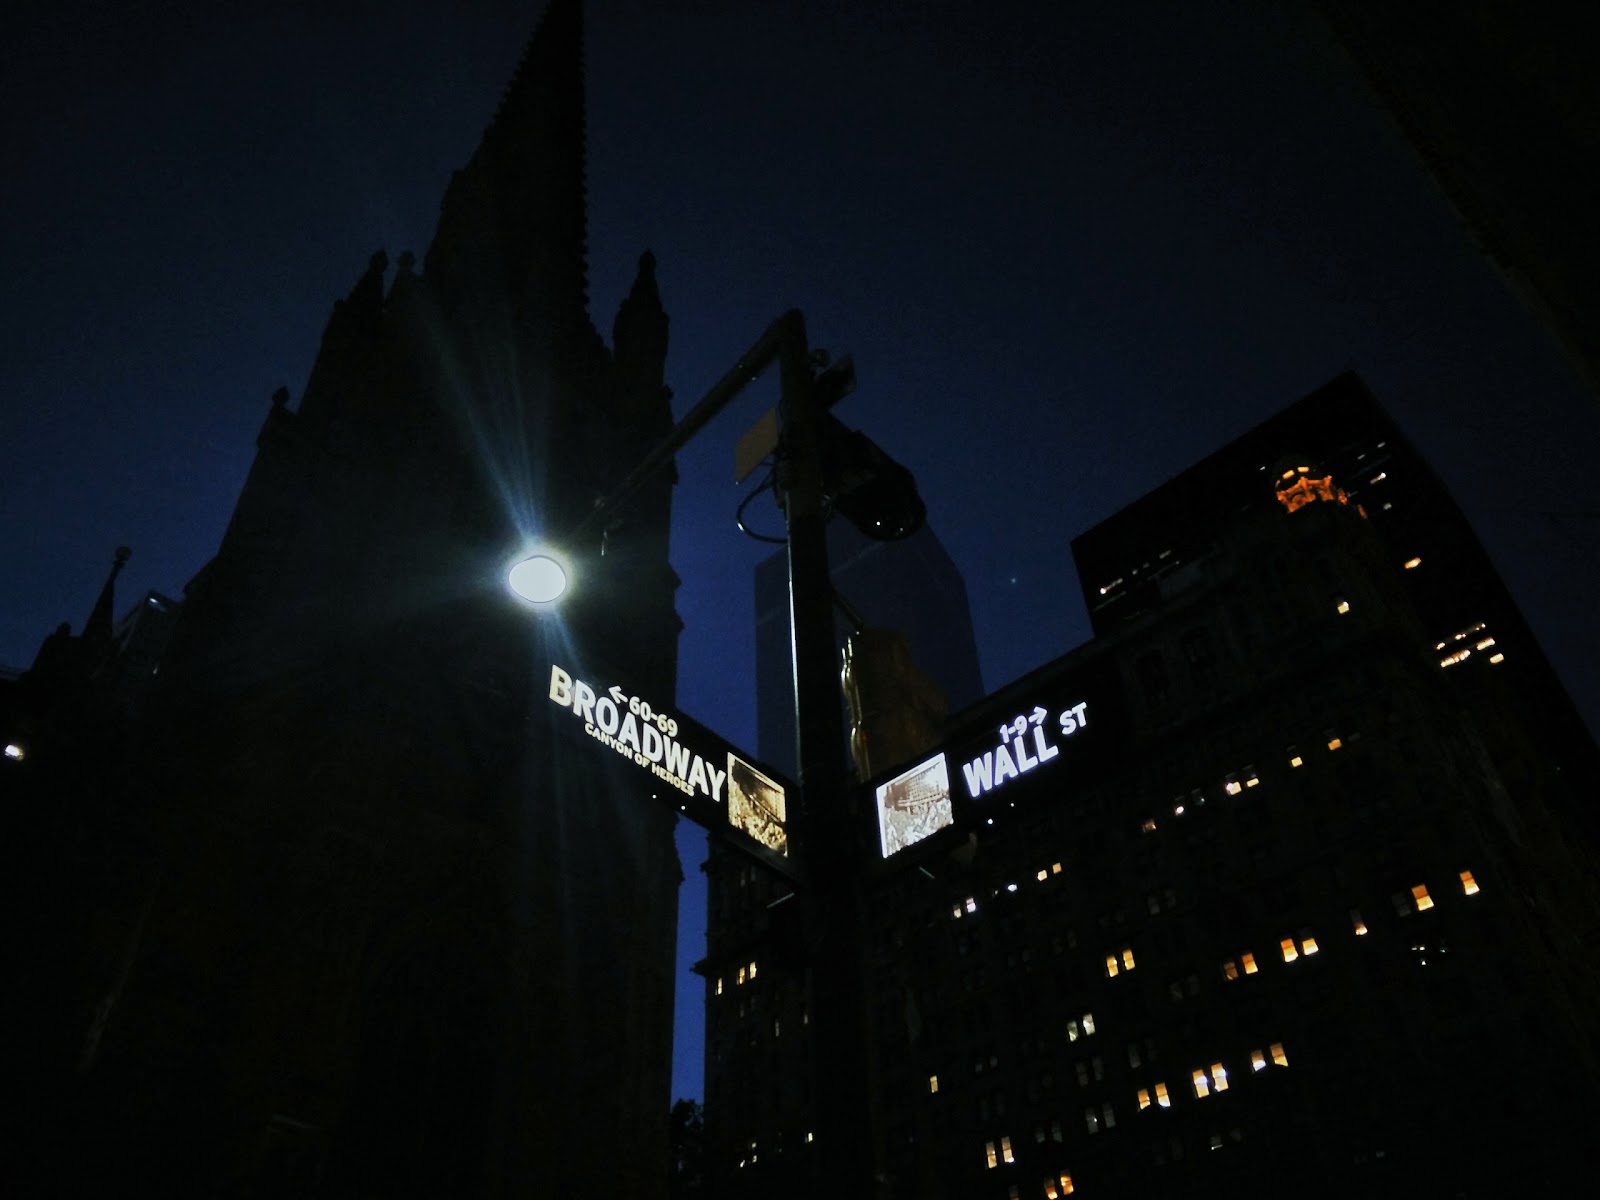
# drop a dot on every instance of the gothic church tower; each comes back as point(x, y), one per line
point(392, 931)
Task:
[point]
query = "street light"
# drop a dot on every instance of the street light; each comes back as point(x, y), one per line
point(539, 579)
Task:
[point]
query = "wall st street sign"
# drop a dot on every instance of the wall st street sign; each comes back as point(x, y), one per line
point(1063, 724)
point(706, 779)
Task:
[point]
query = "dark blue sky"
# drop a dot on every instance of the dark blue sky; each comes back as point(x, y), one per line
point(1073, 247)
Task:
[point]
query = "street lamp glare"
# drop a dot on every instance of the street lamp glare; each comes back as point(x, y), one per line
point(538, 579)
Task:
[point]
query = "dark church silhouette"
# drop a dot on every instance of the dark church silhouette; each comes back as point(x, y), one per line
point(337, 910)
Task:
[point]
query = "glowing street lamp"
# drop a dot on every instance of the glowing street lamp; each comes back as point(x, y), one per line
point(539, 579)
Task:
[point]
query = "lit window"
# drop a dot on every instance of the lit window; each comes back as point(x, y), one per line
point(741, 976)
point(1149, 825)
point(955, 911)
point(1005, 1150)
point(1233, 787)
point(1219, 1077)
point(15, 752)
point(1278, 1056)
point(1164, 1100)
point(1485, 644)
point(1202, 1086)
point(1178, 811)
point(1249, 961)
point(1258, 1061)
point(1413, 563)
point(1064, 1181)
point(989, 1155)
point(1469, 885)
point(1335, 742)
point(719, 985)
point(1042, 875)
point(809, 1137)
point(1072, 1026)
point(1289, 951)
point(1127, 959)
point(933, 1084)
point(1088, 1018)
point(1420, 895)
point(1495, 658)
point(1250, 779)
point(1342, 607)
point(1055, 868)
point(1230, 970)
point(1357, 923)
point(1294, 757)
point(1111, 966)
point(1144, 1099)
point(972, 905)
point(1091, 1119)
point(1458, 656)
point(1380, 477)
point(1308, 946)
point(752, 970)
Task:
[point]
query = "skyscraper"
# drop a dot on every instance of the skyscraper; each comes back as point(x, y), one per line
point(355, 917)
point(1256, 889)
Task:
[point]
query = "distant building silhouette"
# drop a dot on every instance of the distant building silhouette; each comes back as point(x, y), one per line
point(1498, 102)
point(1269, 888)
point(353, 916)
point(911, 586)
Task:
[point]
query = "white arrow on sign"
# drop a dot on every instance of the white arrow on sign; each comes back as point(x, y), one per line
point(618, 696)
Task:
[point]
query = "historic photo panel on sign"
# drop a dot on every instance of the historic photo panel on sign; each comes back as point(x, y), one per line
point(913, 805)
point(755, 804)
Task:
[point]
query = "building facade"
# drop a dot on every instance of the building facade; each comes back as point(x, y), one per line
point(355, 916)
point(1249, 890)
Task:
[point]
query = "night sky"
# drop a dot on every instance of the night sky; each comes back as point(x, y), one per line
point(1073, 247)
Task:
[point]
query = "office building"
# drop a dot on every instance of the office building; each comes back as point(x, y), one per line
point(1249, 891)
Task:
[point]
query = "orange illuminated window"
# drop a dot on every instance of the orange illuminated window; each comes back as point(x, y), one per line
point(1342, 607)
point(1149, 825)
point(1258, 1061)
point(1066, 1184)
point(1495, 658)
point(1202, 1086)
point(1144, 1099)
point(1469, 885)
point(1278, 1056)
point(1005, 1150)
point(1042, 875)
point(1308, 945)
point(1219, 1077)
point(1164, 1100)
point(741, 976)
point(1335, 742)
point(1111, 966)
point(1453, 659)
point(1413, 563)
point(1127, 959)
point(990, 1157)
point(1249, 961)
point(752, 970)
point(1289, 951)
point(1230, 970)
point(1485, 644)
point(1357, 923)
point(1294, 757)
point(1420, 895)
point(1233, 787)
point(1250, 779)
point(933, 1084)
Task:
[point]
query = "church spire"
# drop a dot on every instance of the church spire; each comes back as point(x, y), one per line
point(97, 629)
point(513, 219)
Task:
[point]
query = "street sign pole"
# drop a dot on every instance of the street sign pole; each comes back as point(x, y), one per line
point(827, 833)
